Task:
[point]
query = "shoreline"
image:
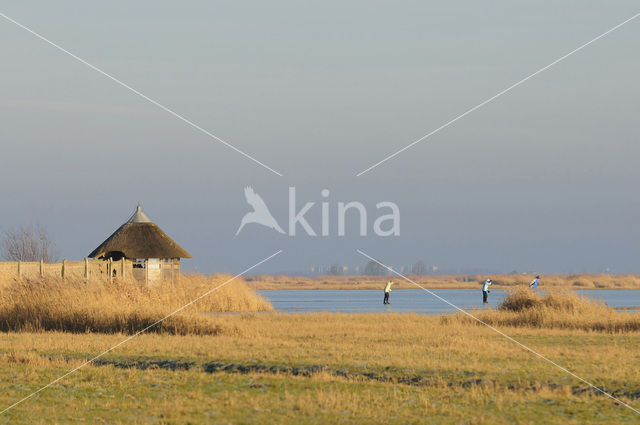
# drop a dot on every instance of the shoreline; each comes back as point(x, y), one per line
point(510, 281)
point(504, 288)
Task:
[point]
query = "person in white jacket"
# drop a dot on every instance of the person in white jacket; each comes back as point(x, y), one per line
point(534, 283)
point(485, 290)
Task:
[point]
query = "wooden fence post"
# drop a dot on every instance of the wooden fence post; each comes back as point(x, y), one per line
point(64, 266)
point(19, 269)
point(173, 270)
point(110, 270)
point(41, 268)
point(122, 266)
point(86, 268)
point(146, 271)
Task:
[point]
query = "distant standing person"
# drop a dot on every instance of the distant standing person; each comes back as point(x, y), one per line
point(387, 291)
point(485, 290)
point(534, 283)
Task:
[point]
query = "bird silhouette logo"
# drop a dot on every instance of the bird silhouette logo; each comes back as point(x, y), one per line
point(260, 213)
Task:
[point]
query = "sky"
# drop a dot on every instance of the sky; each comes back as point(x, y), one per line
point(543, 179)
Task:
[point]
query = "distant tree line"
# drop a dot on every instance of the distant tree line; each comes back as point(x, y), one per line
point(372, 268)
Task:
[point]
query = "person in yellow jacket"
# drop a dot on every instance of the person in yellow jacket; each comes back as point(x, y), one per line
point(387, 291)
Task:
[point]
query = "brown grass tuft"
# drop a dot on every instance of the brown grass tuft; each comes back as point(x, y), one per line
point(129, 306)
point(562, 310)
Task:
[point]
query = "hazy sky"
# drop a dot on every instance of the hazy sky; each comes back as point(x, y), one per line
point(543, 179)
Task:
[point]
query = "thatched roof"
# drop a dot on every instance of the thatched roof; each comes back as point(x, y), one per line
point(139, 237)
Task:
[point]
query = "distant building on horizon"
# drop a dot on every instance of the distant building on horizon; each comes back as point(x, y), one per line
point(153, 256)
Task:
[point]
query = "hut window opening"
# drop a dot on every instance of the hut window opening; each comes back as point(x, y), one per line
point(115, 255)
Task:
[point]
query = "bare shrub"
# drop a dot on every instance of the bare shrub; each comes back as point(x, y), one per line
point(31, 243)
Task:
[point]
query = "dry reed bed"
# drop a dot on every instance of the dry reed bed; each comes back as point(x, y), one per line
point(127, 307)
point(558, 309)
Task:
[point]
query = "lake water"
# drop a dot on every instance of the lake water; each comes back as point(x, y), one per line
point(414, 300)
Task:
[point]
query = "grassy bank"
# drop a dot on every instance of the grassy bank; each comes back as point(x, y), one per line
point(331, 368)
point(406, 369)
point(509, 281)
point(78, 306)
point(557, 310)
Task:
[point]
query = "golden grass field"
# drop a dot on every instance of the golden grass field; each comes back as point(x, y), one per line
point(312, 368)
point(78, 306)
point(565, 281)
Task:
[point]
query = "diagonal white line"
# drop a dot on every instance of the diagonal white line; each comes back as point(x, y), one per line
point(145, 97)
point(138, 333)
point(480, 105)
point(503, 334)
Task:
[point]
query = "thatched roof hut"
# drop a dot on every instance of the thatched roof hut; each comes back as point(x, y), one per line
point(146, 245)
point(139, 238)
